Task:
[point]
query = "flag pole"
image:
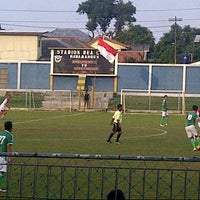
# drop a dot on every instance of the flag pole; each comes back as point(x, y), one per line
point(94, 88)
point(103, 36)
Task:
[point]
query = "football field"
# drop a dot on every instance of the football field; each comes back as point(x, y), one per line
point(83, 133)
point(86, 133)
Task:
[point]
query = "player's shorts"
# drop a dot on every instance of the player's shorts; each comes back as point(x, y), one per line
point(3, 164)
point(3, 108)
point(116, 128)
point(165, 114)
point(191, 131)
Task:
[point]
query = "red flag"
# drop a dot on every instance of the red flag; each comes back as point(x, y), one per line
point(106, 50)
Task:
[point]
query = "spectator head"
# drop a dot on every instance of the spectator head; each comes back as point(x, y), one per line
point(116, 195)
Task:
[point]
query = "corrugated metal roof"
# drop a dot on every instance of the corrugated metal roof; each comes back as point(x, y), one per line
point(59, 42)
point(140, 47)
point(67, 32)
point(21, 33)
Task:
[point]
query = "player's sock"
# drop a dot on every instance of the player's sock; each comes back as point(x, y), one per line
point(111, 135)
point(1, 179)
point(118, 136)
point(198, 141)
point(161, 120)
point(166, 120)
point(193, 143)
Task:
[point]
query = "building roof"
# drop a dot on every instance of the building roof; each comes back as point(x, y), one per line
point(67, 32)
point(196, 63)
point(21, 33)
point(63, 38)
point(49, 43)
point(115, 44)
point(140, 47)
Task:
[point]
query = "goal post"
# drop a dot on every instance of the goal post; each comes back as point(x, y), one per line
point(48, 100)
point(134, 100)
point(39, 99)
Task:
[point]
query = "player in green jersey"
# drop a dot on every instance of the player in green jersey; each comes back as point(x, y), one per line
point(165, 116)
point(6, 142)
point(116, 123)
point(190, 128)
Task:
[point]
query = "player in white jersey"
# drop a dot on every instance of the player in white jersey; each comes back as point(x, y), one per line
point(4, 107)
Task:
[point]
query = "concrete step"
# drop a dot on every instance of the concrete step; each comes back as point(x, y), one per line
point(55, 104)
point(61, 100)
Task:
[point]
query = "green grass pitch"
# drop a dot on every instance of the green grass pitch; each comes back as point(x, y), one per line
point(86, 133)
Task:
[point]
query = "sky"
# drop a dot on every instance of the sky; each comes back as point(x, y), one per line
point(47, 15)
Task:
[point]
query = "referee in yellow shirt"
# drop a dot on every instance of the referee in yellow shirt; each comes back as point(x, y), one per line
point(116, 122)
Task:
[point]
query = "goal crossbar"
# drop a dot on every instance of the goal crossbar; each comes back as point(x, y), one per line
point(151, 93)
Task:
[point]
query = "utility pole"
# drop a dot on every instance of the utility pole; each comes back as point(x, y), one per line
point(175, 19)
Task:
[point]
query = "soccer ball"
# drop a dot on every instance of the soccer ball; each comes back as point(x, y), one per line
point(198, 147)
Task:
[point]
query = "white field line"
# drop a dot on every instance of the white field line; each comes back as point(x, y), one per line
point(48, 118)
point(161, 131)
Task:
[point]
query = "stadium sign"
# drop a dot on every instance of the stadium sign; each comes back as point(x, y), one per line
point(80, 61)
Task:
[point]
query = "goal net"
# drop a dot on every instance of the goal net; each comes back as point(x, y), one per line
point(39, 99)
point(151, 100)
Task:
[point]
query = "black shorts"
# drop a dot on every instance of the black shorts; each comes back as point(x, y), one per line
point(116, 128)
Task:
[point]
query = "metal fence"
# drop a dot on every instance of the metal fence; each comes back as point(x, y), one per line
point(86, 176)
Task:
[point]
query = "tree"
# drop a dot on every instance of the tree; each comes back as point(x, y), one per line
point(188, 36)
point(164, 50)
point(123, 13)
point(100, 13)
point(136, 34)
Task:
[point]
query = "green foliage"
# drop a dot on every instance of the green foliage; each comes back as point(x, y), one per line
point(123, 13)
point(196, 55)
point(99, 13)
point(164, 49)
point(102, 12)
point(136, 34)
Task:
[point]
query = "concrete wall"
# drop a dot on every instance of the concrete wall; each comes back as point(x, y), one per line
point(36, 75)
point(159, 77)
point(16, 47)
